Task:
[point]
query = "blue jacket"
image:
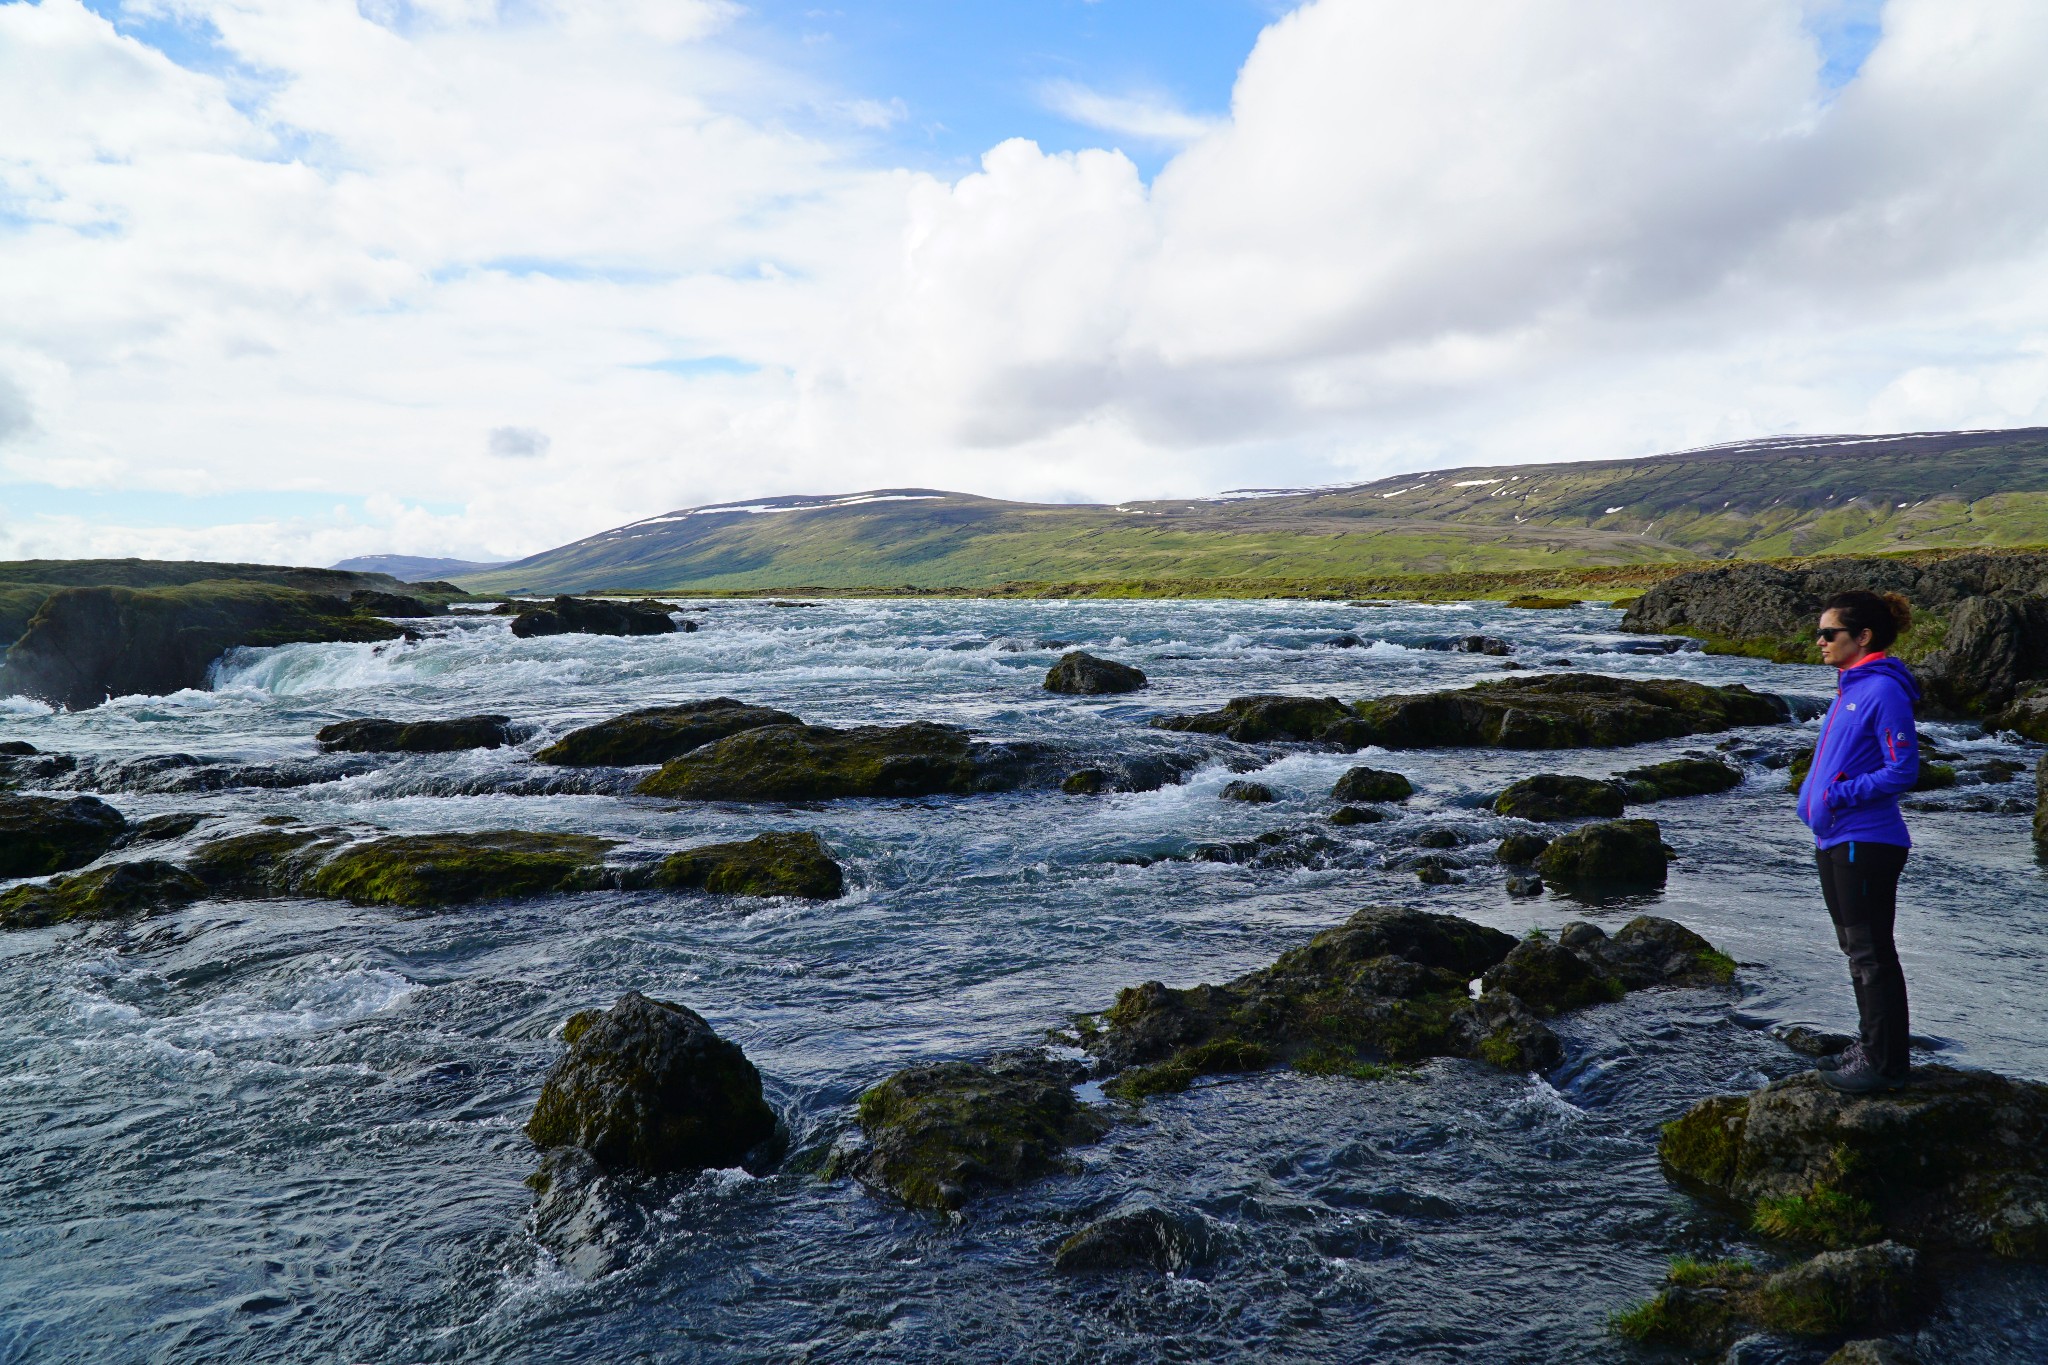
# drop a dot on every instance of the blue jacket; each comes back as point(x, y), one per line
point(1868, 753)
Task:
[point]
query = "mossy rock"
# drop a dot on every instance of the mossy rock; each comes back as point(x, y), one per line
point(1519, 850)
point(591, 616)
point(265, 862)
point(2026, 715)
point(1251, 793)
point(427, 870)
point(1559, 711)
point(648, 1086)
point(1264, 718)
point(1372, 784)
point(1614, 854)
point(1705, 1306)
point(1558, 796)
point(1677, 778)
point(44, 834)
point(656, 734)
point(1356, 815)
point(1082, 674)
point(113, 892)
point(1148, 1237)
point(1954, 1159)
point(783, 864)
point(814, 763)
point(374, 736)
point(941, 1133)
point(1551, 978)
point(1086, 782)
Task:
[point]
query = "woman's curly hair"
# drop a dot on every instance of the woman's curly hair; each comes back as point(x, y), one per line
point(1886, 615)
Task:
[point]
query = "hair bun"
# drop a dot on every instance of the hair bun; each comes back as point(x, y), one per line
point(1902, 611)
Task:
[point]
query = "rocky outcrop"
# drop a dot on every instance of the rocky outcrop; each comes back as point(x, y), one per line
point(1955, 1159)
point(1083, 674)
point(1556, 711)
point(1372, 784)
point(373, 736)
point(939, 1134)
point(1587, 967)
point(1263, 719)
point(1558, 796)
point(1469, 644)
point(428, 870)
point(1614, 855)
point(815, 763)
point(87, 644)
point(1251, 793)
point(656, 734)
point(1980, 634)
point(44, 834)
point(397, 604)
point(591, 616)
point(112, 892)
point(648, 1087)
point(790, 864)
point(2026, 714)
point(1356, 815)
point(1678, 778)
point(1146, 1237)
point(1705, 1306)
point(262, 863)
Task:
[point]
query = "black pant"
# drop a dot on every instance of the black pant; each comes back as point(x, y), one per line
point(1861, 884)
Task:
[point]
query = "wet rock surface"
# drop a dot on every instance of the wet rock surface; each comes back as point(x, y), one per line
point(1706, 1306)
point(939, 1134)
point(1559, 711)
point(1083, 674)
point(1955, 1159)
point(656, 734)
point(1610, 855)
point(44, 834)
point(1264, 719)
point(1679, 777)
point(1147, 1237)
point(376, 736)
point(116, 891)
point(1372, 784)
point(588, 1217)
point(782, 864)
point(816, 763)
point(427, 870)
point(1250, 793)
point(590, 616)
point(1558, 796)
point(648, 1086)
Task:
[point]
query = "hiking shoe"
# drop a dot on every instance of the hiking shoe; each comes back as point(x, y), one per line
point(1851, 1055)
point(1860, 1079)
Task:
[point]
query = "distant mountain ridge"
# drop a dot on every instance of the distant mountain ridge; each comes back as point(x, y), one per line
point(415, 568)
point(1778, 496)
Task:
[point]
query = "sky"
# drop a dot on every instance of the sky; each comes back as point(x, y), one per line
point(295, 280)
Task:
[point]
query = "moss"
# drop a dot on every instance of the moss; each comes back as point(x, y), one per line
point(1501, 1050)
point(1824, 1215)
point(104, 893)
point(1696, 1274)
point(1217, 1056)
point(1705, 1143)
point(422, 870)
point(1675, 1317)
point(267, 862)
point(1327, 1061)
point(782, 864)
point(657, 734)
point(44, 834)
point(814, 763)
point(1715, 965)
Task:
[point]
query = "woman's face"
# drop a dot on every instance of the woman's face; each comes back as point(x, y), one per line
point(1842, 650)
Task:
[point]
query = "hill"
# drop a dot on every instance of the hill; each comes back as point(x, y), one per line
point(415, 568)
point(1757, 499)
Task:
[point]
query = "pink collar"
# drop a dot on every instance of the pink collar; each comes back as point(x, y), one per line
point(1869, 658)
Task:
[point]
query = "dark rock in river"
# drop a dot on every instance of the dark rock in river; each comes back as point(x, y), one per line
point(2027, 714)
point(648, 1086)
point(588, 1217)
point(1705, 1306)
point(813, 763)
point(942, 1133)
point(1085, 675)
point(372, 603)
point(657, 734)
point(372, 736)
point(1252, 793)
point(589, 616)
point(111, 892)
point(87, 644)
point(44, 834)
point(1650, 951)
point(1521, 848)
point(1558, 796)
point(1471, 644)
point(267, 862)
point(22, 766)
point(1356, 815)
point(425, 870)
point(1372, 784)
point(1955, 1159)
point(1147, 1237)
point(1557, 711)
point(1551, 978)
point(786, 864)
point(1263, 719)
point(160, 828)
point(1679, 777)
point(1614, 854)
point(1086, 782)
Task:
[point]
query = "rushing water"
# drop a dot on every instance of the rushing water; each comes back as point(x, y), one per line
point(291, 1130)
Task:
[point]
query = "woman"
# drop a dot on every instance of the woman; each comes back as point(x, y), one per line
point(1868, 753)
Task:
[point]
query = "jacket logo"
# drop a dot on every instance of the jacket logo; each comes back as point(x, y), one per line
point(1852, 706)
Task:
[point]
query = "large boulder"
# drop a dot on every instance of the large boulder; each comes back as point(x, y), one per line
point(1558, 796)
point(787, 864)
point(263, 862)
point(815, 763)
point(1556, 711)
point(1085, 675)
point(1372, 784)
point(648, 1086)
point(656, 734)
point(1551, 978)
point(2026, 714)
point(1145, 1237)
point(591, 616)
point(1705, 1306)
point(1611, 855)
point(44, 834)
point(941, 1133)
point(1263, 719)
point(1993, 648)
point(1650, 951)
point(87, 644)
point(116, 891)
point(374, 736)
point(1954, 1159)
point(1676, 778)
point(426, 870)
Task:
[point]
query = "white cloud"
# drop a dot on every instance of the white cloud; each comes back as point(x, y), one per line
point(1151, 118)
point(1469, 231)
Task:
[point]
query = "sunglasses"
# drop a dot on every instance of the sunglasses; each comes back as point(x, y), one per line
point(1827, 634)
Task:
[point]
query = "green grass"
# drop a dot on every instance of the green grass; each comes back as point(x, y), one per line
point(1825, 1215)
